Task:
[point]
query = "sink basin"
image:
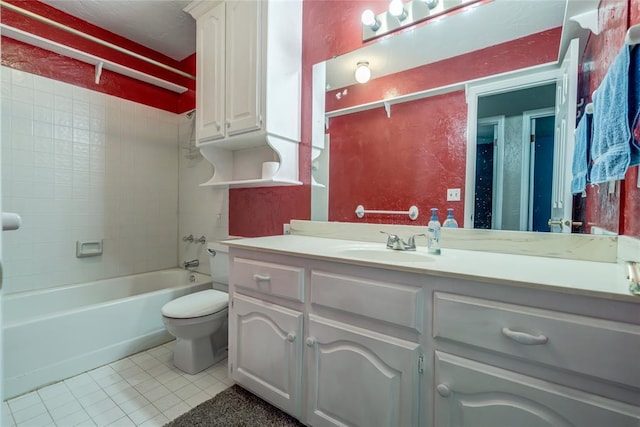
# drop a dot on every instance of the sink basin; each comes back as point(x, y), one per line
point(381, 253)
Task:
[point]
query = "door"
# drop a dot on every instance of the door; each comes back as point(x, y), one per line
point(565, 121)
point(265, 350)
point(360, 378)
point(472, 394)
point(489, 173)
point(541, 180)
point(244, 20)
point(210, 79)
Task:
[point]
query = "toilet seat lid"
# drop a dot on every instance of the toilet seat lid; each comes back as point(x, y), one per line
point(197, 304)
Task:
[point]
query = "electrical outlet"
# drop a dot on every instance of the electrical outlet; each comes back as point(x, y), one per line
point(286, 229)
point(453, 195)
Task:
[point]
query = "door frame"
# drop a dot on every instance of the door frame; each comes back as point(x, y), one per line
point(528, 165)
point(537, 76)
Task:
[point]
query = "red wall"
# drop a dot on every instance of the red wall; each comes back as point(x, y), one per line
point(412, 157)
point(38, 61)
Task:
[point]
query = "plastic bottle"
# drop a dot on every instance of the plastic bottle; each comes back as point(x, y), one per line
point(433, 233)
point(450, 222)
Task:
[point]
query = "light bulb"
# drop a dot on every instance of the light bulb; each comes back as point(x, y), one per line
point(368, 18)
point(363, 73)
point(396, 8)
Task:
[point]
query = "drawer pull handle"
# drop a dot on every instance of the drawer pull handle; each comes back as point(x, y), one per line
point(261, 277)
point(524, 338)
point(291, 337)
point(443, 390)
point(310, 341)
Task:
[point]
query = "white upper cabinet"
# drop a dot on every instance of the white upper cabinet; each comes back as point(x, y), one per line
point(248, 86)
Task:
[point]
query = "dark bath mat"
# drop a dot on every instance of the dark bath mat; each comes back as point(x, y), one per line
point(234, 407)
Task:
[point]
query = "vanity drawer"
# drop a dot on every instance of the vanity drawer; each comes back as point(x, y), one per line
point(268, 278)
point(389, 302)
point(596, 347)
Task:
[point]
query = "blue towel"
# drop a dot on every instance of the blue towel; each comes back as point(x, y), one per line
point(580, 166)
point(634, 103)
point(610, 146)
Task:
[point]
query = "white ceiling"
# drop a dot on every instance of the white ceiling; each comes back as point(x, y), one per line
point(157, 24)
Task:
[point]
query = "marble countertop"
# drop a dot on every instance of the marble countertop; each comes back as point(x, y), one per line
point(601, 279)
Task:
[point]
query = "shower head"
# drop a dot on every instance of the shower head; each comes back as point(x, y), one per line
point(190, 114)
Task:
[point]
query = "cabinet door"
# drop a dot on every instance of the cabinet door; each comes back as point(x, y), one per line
point(472, 394)
point(358, 377)
point(210, 78)
point(265, 349)
point(243, 62)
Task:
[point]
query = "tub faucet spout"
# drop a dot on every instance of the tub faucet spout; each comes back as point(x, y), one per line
point(191, 264)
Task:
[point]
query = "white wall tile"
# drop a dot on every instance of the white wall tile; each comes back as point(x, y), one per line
point(84, 165)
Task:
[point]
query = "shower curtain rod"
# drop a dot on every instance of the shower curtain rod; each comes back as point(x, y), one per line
point(93, 39)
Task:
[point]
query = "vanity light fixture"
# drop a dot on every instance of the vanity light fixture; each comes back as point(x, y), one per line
point(363, 73)
point(396, 8)
point(401, 14)
point(369, 19)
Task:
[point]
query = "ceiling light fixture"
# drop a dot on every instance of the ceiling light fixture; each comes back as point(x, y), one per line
point(363, 73)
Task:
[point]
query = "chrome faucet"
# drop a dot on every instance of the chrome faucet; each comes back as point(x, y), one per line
point(191, 264)
point(397, 244)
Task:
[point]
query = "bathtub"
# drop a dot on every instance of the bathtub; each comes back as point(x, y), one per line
point(53, 334)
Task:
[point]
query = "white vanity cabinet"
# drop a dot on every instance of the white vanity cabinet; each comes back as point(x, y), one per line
point(265, 338)
point(346, 342)
point(300, 339)
point(471, 393)
point(360, 372)
point(249, 57)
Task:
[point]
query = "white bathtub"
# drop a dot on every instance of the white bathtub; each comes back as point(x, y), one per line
point(53, 334)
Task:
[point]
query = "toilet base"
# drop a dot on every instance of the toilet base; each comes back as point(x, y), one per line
point(195, 355)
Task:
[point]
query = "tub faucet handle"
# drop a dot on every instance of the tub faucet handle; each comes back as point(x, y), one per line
point(188, 238)
point(201, 240)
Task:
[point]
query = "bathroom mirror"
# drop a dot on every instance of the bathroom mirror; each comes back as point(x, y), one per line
point(510, 202)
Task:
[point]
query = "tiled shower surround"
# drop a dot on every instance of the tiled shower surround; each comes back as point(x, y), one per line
point(82, 165)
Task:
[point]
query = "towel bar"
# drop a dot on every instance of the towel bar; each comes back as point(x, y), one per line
point(412, 212)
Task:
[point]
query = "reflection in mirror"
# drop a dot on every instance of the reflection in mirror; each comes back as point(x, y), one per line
point(514, 156)
point(516, 188)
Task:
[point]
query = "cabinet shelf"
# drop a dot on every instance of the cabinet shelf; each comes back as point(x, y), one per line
point(251, 183)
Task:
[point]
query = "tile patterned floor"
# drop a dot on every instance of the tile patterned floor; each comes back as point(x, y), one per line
point(141, 390)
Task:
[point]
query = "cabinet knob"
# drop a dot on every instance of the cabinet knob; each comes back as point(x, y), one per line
point(291, 337)
point(310, 341)
point(443, 390)
point(228, 124)
point(217, 126)
point(524, 338)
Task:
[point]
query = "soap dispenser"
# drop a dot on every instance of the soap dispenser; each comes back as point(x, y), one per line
point(433, 233)
point(450, 222)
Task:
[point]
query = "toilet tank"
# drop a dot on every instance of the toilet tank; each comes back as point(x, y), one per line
point(219, 263)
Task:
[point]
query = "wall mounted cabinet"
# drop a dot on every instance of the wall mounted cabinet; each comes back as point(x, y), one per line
point(248, 85)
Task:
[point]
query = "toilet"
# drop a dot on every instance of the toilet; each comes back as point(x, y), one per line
point(199, 321)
